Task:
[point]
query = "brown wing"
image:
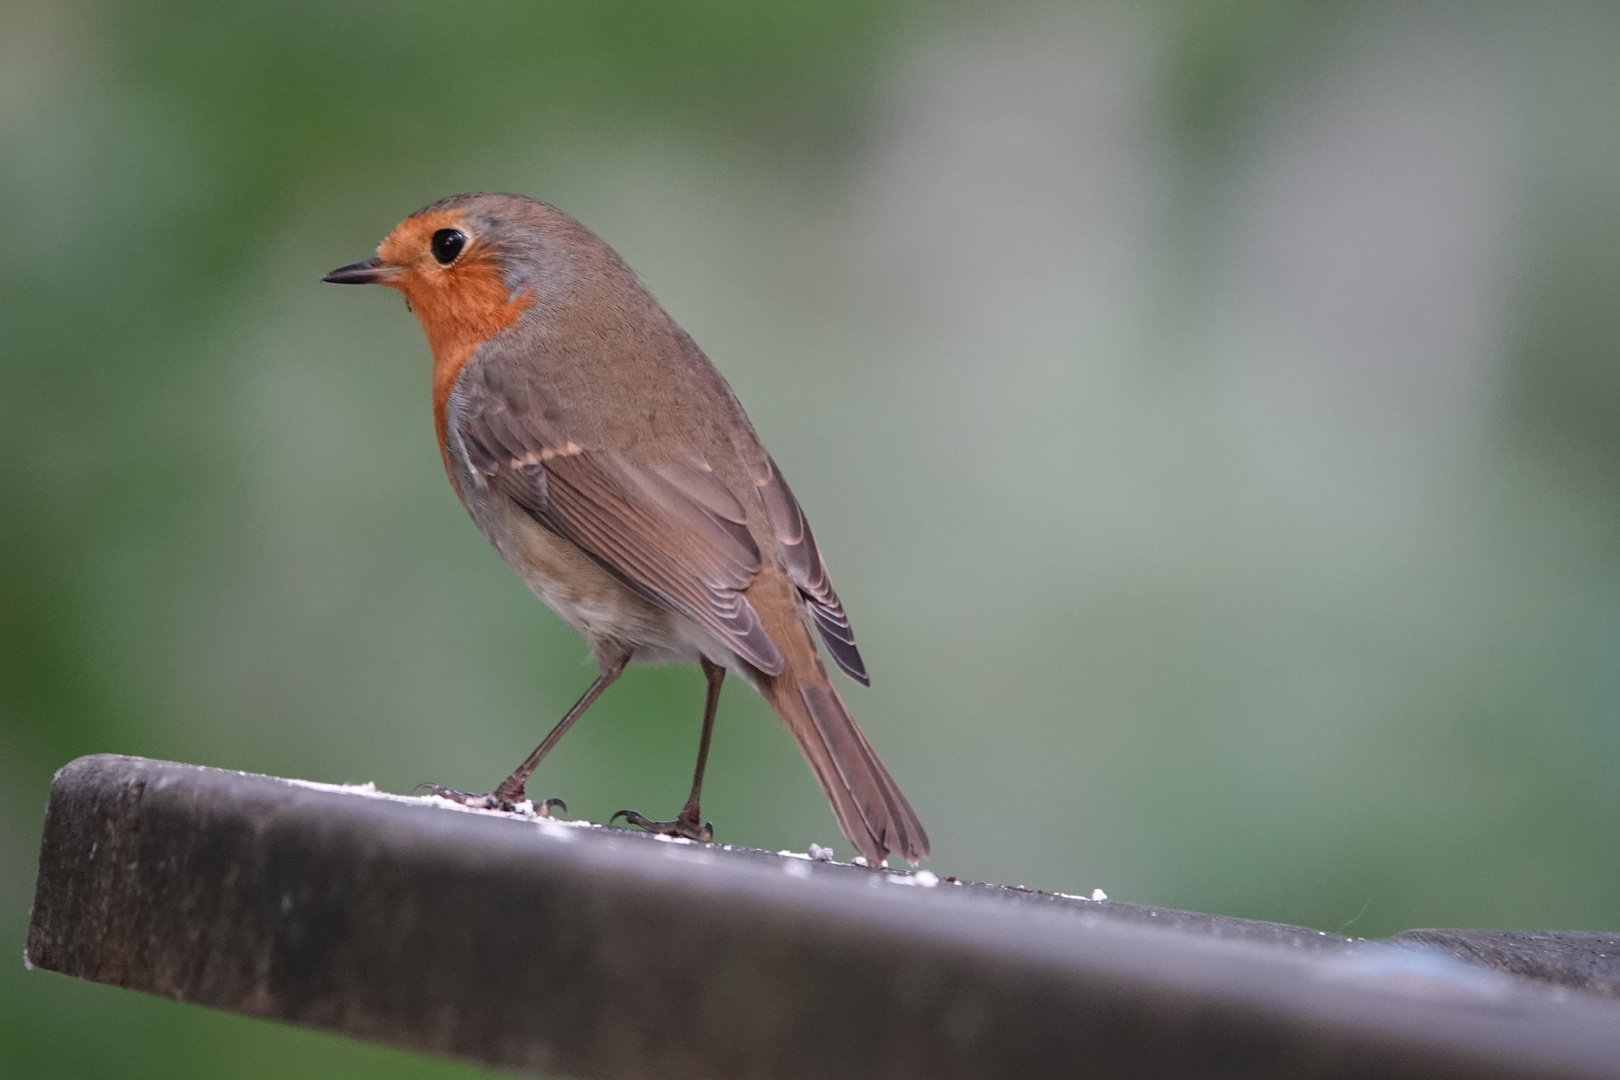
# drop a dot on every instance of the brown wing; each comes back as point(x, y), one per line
point(672, 532)
point(798, 547)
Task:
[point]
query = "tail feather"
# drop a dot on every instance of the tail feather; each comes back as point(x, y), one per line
point(865, 799)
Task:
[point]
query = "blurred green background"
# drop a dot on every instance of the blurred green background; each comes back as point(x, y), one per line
point(1211, 413)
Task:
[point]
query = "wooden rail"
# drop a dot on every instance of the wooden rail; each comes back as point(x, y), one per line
point(555, 948)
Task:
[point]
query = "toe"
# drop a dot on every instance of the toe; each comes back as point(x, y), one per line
point(632, 817)
point(690, 830)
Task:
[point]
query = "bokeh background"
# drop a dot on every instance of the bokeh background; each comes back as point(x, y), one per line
point(1211, 412)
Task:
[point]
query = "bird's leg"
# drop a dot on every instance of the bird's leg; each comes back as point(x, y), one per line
point(687, 824)
point(510, 792)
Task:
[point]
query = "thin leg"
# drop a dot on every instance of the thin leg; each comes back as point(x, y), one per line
point(716, 675)
point(511, 790)
point(687, 823)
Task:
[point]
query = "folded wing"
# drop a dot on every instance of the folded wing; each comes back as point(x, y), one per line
point(671, 532)
point(804, 563)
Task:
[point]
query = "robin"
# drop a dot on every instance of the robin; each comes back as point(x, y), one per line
point(612, 467)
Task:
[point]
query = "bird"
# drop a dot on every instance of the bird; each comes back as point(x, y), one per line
point(612, 467)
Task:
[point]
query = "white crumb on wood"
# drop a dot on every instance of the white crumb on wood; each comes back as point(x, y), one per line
point(1083, 899)
point(926, 879)
point(523, 811)
point(367, 788)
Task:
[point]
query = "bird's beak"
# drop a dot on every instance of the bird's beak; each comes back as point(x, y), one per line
point(372, 271)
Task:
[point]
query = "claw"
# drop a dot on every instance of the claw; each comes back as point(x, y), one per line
point(479, 802)
point(691, 830)
point(496, 800)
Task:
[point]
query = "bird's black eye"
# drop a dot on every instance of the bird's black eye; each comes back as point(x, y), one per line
point(447, 244)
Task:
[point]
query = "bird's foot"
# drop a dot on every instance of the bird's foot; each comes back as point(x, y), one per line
point(684, 826)
point(499, 799)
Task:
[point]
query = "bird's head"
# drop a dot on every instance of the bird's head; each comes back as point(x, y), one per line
point(470, 265)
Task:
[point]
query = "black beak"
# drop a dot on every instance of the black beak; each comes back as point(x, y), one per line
point(365, 272)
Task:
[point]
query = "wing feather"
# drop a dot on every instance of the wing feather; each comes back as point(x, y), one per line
point(809, 572)
point(672, 532)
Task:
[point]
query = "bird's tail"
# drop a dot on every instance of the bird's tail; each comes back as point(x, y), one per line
point(865, 799)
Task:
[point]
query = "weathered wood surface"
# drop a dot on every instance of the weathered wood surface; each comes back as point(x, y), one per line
point(1581, 960)
point(549, 948)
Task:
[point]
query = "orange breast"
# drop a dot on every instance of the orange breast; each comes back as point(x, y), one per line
point(460, 306)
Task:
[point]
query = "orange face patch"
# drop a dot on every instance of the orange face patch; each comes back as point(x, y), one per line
point(460, 306)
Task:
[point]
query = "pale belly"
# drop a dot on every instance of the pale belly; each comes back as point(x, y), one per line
point(605, 612)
